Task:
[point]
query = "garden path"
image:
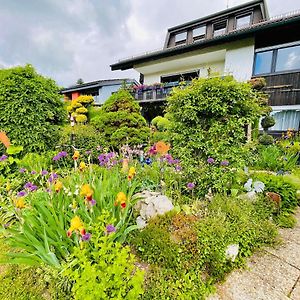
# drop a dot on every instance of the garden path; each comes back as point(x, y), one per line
point(272, 274)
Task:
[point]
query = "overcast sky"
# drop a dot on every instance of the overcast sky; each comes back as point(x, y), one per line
point(71, 39)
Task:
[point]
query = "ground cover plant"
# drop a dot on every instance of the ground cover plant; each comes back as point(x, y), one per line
point(70, 213)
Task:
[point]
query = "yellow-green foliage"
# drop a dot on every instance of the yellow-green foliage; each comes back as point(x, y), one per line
point(78, 108)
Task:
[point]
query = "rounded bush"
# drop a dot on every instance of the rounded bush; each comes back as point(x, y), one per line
point(267, 122)
point(266, 139)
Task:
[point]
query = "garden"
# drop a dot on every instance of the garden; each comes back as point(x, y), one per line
point(107, 206)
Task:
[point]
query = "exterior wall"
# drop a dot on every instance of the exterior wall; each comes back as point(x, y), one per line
point(105, 92)
point(75, 95)
point(239, 60)
point(217, 67)
point(234, 58)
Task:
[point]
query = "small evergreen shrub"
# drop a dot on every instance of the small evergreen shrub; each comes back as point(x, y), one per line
point(267, 122)
point(266, 139)
point(120, 121)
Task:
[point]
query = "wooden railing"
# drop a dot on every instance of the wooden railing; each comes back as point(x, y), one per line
point(283, 89)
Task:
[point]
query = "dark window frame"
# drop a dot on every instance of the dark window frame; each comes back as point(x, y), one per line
point(201, 36)
point(244, 14)
point(274, 60)
point(225, 21)
point(182, 41)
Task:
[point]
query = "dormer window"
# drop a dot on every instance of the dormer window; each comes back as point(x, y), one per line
point(199, 33)
point(243, 21)
point(220, 28)
point(180, 38)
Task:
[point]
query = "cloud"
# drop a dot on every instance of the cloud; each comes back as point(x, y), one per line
point(71, 39)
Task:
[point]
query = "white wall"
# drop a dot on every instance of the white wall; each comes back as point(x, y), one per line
point(239, 60)
point(234, 58)
point(217, 67)
point(105, 92)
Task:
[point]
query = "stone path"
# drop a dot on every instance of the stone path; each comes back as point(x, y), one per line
point(272, 274)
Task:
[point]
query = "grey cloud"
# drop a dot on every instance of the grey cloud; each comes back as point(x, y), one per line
point(68, 39)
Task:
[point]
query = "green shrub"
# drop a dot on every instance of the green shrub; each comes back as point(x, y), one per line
point(286, 190)
point(84, 137)
point(273, 158)
point(78, 108)
point(267, 122)
point(106, 272)
point(265, 139)
point(120, 121)
point(31, 109)
point(208, 118)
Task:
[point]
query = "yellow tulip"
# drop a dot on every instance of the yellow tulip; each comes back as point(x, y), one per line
point(20, 203)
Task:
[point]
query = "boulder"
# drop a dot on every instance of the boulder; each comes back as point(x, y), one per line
point(150, 205)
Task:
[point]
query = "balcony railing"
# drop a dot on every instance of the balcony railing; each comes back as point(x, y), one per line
point(154, 93)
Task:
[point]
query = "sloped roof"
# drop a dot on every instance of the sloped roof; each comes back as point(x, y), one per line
point(98, 83)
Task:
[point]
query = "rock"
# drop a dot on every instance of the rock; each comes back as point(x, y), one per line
point(232, 252)
point(248, 196)
point(150, 205)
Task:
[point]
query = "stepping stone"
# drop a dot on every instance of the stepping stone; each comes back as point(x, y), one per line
point(288, 252)
point(245, 285)
point(292, 234)
point(278, 274)
point(295, 295)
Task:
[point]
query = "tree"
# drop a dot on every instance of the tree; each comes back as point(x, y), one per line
point(121, 122)
point(208, 117)
point(79, 81)
point(31, 108)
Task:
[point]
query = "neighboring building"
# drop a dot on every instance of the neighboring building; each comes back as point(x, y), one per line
point(242, 41)
point(100, 89)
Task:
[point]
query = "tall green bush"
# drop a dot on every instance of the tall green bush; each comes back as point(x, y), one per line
point(209, 117)
point(121, 122)
point(30, 107)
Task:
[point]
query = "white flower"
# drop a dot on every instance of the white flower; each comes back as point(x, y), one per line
point(248, 185)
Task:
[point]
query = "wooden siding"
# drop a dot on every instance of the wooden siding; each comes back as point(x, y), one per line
point(283, 89)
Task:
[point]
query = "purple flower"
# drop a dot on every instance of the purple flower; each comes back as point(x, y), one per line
point(22, 170)
point(48, 190)
point(93, 202)
point(224, 163)
point(110, 228)
point(86, 237)
point(178, 168)
point(88, 152)
point(44, 172)
point(33, 172)
point(210, 160)
point(28, 185)
point(63, 154)
point(3, 157)
point(52, 177)
point(33, 188)
point(22, 194)
point(6, 225)
point(190, 185)
point(56, 158)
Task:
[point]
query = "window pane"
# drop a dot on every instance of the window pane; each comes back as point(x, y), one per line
point(242, 22)
point(200, 31)
point(288, 59)
point(263, 62)
point(220, 28)
point(180, 37)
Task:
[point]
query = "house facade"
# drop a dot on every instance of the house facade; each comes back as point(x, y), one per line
point(100, 89)
point(243, 41)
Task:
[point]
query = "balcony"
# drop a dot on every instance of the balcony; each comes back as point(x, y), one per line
point(283, 89)
point(154, 93)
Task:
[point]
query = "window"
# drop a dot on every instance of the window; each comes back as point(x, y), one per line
point(243, 21)
point(288, 59)
point(180, 38)
point(199, 33)
point(280, 59)
point(174, 78)
point(263, 62)
point(220, 28)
